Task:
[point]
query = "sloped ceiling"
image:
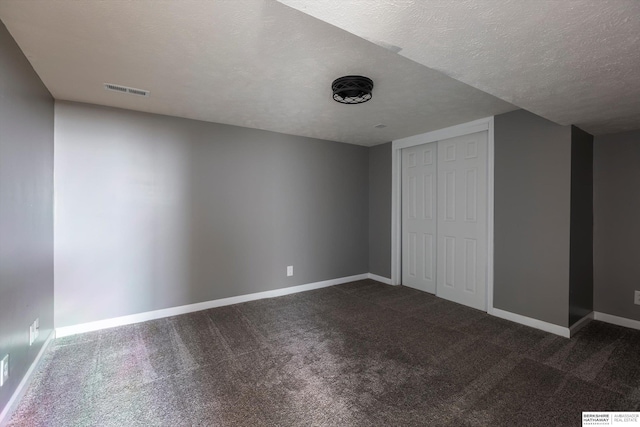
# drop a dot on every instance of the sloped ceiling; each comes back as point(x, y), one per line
point(570, 61)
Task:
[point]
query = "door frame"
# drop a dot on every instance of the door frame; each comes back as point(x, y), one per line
point(485, 124)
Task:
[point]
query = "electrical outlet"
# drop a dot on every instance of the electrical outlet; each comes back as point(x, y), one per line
point(636, 300)
point(4, 370)
point(34, 331)
point(290, 270)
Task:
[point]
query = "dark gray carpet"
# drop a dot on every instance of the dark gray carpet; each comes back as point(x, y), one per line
point(359, 354)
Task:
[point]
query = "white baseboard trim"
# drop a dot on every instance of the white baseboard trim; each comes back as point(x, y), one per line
point(531, 322)
point(616, 320)
point(17, 395)
point(380, 279)
point(581, 323)
point(190, 308)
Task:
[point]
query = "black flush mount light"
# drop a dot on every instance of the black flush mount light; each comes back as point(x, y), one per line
point(352, 89)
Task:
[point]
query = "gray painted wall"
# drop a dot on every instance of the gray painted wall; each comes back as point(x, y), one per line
point(155, 211)
point(380, 210)
point(616, 177)
point(26, 211)
point(532, 216)
point(581, 256)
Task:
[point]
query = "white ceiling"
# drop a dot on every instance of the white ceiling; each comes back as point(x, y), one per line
point(252, 63)
point(262, 64)
point(570, 61)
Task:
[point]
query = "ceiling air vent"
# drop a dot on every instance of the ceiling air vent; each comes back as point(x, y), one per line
point(124, 89)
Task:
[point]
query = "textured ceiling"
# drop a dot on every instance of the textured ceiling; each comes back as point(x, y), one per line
point(570, 61)
point(252, 63)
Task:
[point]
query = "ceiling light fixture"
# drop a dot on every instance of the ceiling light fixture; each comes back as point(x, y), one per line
point(352, 89)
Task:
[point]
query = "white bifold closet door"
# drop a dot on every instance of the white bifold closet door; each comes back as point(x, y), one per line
point(444, 218)
point(419, 217)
